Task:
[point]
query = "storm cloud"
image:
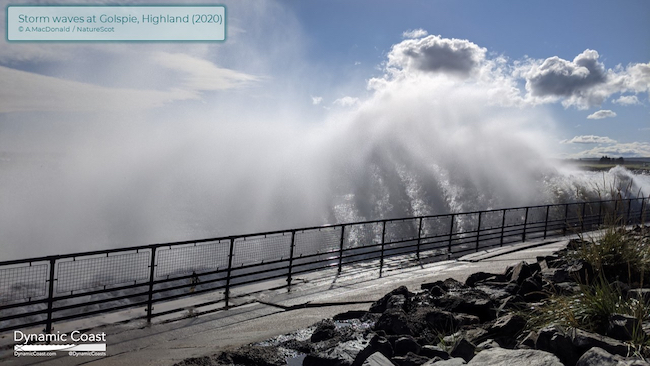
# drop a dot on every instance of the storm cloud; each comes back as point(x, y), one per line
point(557, 77)
point(438, 55)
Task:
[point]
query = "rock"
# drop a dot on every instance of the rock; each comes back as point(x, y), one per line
point(510, 324)
point(463, 349)
point(567, 288)
point(520, 272)
point(529, 341)
point(622, 327)
point(490, 343)
point(305, 347)
point(597, 357)
point(555, 275)
point(253, 355)
point(581, 271)
point(377, 359)
point(512, 288)
point(510, 302)
point(519, 357)
point(396, 302)
point(531, 289)
point(410, 359)
point(441, 321)
point(352, 314)
point(473, 302)
point(642, 294)
point(554, 339)
point(376, 344)
point(477, 277)
point(394, 322)
point(343, 354)
point(436, 291)
point(404, 345)
point(474, 335)
point(450, 362)
point(433, 352)
point(325, 329)
point(585, 340)
point(466, 319)
point(380, 305)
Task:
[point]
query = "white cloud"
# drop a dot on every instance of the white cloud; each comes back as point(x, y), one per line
point(316, 100)
point(437, 55)
point(202, 75)
point(603, 113)
point(25, 91)
point(632, 149)
point(347, 101)
point(581, 83)
point(627, 100)
point(572, 80)
point(415, 33)
point(589, 139)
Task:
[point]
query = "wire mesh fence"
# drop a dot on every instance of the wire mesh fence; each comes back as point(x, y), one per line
point(56, 288)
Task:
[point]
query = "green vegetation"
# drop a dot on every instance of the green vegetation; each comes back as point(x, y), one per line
point(620, 260)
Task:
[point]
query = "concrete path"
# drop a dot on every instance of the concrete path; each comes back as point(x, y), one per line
point(136, 343)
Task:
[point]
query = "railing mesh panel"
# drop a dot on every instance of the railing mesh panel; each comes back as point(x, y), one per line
point(317, 241)
point(515, 217)
point(436, 226)
point(401, 230)
point(252, 250)
point(491, 220)
point(23, 282)
point(97, 272)
point(182, 260)
point(361, 235)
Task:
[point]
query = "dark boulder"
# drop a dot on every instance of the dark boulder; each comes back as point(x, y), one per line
point(380, 305)
point(410, 359)
point(325, 329)
point(394, 321)
point(463, 349)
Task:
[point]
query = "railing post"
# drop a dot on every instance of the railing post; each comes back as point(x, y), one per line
point(566, 219)
point(503, 226)
point(548, 207)
point(451, 233)
point(383, 236)
point(293, 244)
point(230, 255)
point(478, 230)
point(523, 234)
point(600, 210)
point(50, 298)
point(629, 207)
point(642, 209)
point(582, 221)
point(341, 248)
point(152, 266)
point(419, 238)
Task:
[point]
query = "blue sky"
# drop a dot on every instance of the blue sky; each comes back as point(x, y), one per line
point(308, 61)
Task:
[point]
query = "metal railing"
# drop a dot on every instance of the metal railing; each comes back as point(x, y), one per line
point(46, 290)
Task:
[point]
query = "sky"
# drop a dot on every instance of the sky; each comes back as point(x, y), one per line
point(583, 63)
point(315, 112)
